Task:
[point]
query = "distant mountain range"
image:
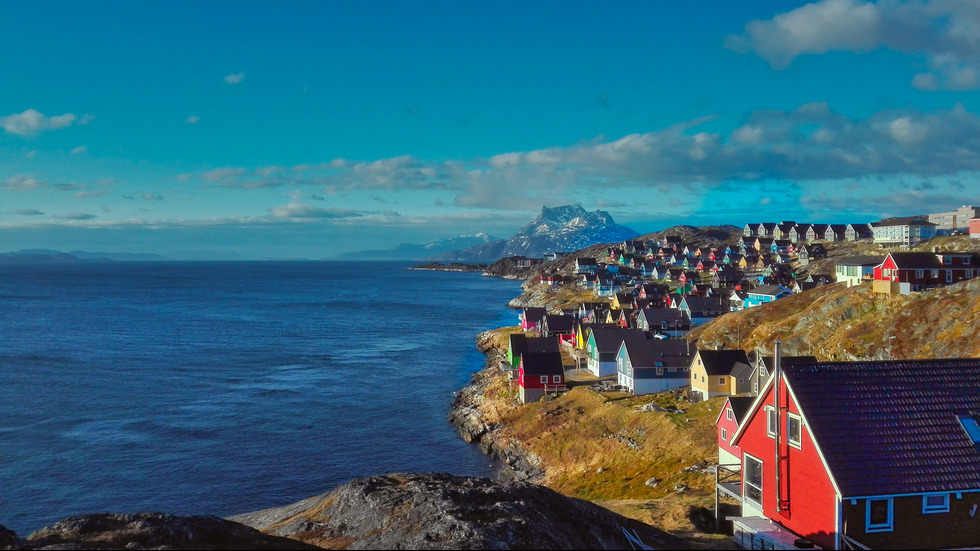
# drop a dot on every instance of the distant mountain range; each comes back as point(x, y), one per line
point(47, 255)
point(556, 229)
point(415, 251)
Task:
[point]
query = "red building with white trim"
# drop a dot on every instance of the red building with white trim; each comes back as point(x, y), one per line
point(852, 455)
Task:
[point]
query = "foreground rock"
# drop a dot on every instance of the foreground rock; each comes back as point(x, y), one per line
point(146, 531)
point(441, 511)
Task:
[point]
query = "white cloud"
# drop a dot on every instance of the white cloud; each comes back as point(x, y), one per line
point(22, 183)
point(79, 150)
point(32, 122)
point(946, 32)
point(193, 119)
point(235, 79)
point(303, 210)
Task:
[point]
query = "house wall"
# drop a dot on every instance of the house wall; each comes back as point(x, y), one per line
point(709, 385)
point(727, 453)
point(811, 510)
point(915, 530)
point(975, 228)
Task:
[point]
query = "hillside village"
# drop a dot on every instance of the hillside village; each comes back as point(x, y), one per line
point(649, 317)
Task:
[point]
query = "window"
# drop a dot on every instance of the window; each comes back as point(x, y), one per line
point(752, 479)
point(935, 274)
point(556, 378)
point(879, 515)
point(971, 427)
point(724, 435)
point(935, 503)
point(721, 380)
point(729, 415)
point(794, 430)
point(544, 379)
point(770, 421)
point(660, 371)
point(919, 274)
point(948, 260)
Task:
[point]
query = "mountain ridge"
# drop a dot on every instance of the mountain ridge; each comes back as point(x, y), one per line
point(554, 229)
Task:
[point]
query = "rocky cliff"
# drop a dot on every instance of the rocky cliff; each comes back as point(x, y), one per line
point(441, 511)
point(146, 531)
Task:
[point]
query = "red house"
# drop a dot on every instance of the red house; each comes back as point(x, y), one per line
point(539, 373)
point(975, 228)
point(859, 455)
point(918, 271)
point(732, 414)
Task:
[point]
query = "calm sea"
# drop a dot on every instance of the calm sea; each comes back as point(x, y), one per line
point(222, 388)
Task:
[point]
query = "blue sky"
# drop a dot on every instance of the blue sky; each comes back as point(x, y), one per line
point(309, 129)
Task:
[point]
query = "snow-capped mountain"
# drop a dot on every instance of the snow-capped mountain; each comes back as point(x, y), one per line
point(419, 251)
point(556, 229)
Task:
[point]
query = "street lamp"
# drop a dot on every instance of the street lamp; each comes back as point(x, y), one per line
point(890, 339)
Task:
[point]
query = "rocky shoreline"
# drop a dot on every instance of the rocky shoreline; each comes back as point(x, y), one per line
point(519, 463)
point(451, 267)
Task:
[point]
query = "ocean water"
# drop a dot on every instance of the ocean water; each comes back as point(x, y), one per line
point(222, 388)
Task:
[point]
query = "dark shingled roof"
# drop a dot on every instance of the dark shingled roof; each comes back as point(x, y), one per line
point(917, 261)
point(740, 406)
point(558, 324)
point(722, 362)
point(645, 352)
point(537, 345)
point(542, 363)
point(891, 427)
point(534, 314)
point(609, 340)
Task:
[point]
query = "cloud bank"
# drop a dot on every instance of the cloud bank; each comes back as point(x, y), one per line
point(945, 32)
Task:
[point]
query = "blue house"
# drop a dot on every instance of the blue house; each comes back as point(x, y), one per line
point(766, 293)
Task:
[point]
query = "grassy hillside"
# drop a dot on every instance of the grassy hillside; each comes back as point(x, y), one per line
point(836, 323)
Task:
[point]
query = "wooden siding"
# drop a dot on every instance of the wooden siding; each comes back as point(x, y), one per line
point(912, 529)
point(807, 491)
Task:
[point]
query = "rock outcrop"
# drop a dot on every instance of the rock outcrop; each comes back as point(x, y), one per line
point(465, 414)
point(441, 511)
point(146, 531)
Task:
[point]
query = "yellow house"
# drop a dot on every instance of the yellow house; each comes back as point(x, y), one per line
point(720, 373)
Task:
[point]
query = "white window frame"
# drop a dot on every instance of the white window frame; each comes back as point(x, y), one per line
point(721, 380)
point(729, 415)
point(724, 436)
point(543, 379)
point(556, 378)
point(790, 417)
point(889, 526)
point(928, 509)
point(770, 421)
point(746, 459)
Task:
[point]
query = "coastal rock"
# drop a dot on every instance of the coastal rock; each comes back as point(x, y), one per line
point(442, 511)
point(146, 531)
point(466, 416)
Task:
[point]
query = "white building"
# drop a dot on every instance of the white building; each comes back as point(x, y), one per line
point(909, 233)
point(855, 270)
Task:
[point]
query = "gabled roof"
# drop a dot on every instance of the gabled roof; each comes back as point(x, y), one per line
point(609, 340)
point(770, 290)
point(916, 261)
point(535, 314)
point(723, 362)
point(558, 324)
point(542, 363)
point(645, 352)
point(657, 316)
point(740, 406)
point(697, 304)
point(891, 427)
point(859, 261)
